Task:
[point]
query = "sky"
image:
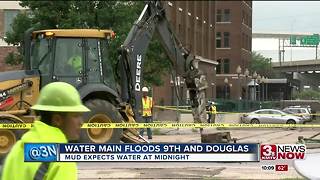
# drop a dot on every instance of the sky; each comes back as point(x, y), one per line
point(285, 17)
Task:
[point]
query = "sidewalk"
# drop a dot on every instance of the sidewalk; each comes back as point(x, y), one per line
point(183, 171)
point(220, 118)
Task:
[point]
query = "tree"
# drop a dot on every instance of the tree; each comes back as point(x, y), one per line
point(116, 15)
point(261, 65)
point(307, 95)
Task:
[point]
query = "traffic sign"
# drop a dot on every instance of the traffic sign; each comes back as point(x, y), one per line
point(309, 40)
point(293, 40)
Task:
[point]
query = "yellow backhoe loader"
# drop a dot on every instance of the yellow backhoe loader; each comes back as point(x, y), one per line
point(80, 58)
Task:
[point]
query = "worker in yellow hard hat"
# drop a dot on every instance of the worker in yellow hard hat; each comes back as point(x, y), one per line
point(76, 63)
point(60, 109)
point(147, 105)
point(212, 112)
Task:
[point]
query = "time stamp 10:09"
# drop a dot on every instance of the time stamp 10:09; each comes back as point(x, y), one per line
point(278, 167)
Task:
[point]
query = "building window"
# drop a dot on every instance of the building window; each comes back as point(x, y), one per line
point(243, 41)
point(243, 17)
point(247, 19)
point(226, 17)
point(223, 66)
point(9, 16)
point(219, 15)
point(198, 42)
point(218, 67)
point(247, 42)
point(180, 33)
point(218, 39)
point(226, 68)
point(226, 37)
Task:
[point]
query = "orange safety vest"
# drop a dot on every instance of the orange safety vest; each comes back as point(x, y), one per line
point(147, 105)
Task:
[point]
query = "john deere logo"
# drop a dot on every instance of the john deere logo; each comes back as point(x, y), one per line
point(138, 73)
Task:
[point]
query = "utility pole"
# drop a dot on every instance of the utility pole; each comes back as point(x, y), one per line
point(316, 52)
point(177, 98)
point(279, 52)
point(282, 50)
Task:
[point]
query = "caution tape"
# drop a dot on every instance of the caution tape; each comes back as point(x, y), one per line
point(168, 125)
point(15, 125)
point(247, 113)
point(175, 106)
point(194, 125)
point(172, 108)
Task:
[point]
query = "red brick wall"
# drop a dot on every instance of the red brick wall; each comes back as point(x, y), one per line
point(239, 52)
point(1, 22)
point(162, 95)
point(196, 35)
point(4, 51)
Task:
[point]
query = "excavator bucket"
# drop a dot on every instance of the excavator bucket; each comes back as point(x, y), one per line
point(130, 135)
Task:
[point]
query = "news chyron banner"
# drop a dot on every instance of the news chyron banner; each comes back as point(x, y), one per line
point(282, 151)
point(277, 155)
point(141, 152)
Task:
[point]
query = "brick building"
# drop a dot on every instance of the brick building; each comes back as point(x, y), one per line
point(8, 11)
point(219, 34)
point(193, 22)
point(233, 47)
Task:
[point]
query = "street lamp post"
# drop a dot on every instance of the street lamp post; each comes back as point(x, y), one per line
point(263, 92)
point(246, 74)
point(212, 84)
point(254, 77)
point(266, 81)
point(238, 70)
point(259, 89)
point(177, 100)
point(226, 81)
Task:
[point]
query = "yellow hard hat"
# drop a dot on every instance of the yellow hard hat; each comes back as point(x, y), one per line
point(59, 97)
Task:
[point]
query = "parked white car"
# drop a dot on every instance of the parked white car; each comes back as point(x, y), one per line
point(271, 116)
point(303, 112)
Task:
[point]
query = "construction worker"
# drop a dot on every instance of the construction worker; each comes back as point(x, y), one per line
point(76, 63)
point(212, 112)
point(60, 109)
point(147, 105)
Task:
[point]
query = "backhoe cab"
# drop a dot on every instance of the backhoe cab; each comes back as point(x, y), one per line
point(78, 57)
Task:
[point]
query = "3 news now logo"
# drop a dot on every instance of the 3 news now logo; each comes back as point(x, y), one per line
point(34, 152)
point(282, 151)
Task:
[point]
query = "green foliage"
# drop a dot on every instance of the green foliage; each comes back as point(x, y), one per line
point(261, 65)
point(157, 64)
point(307, 95)
point(116, 15)
point(14, 37)
point(13, 58)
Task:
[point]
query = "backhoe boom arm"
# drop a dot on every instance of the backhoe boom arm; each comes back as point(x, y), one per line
point(132, 53)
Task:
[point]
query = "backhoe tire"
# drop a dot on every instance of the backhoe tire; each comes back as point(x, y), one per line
point(8, 137)
point(102, 111)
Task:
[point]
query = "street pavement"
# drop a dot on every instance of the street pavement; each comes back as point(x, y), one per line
point(201, 170)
